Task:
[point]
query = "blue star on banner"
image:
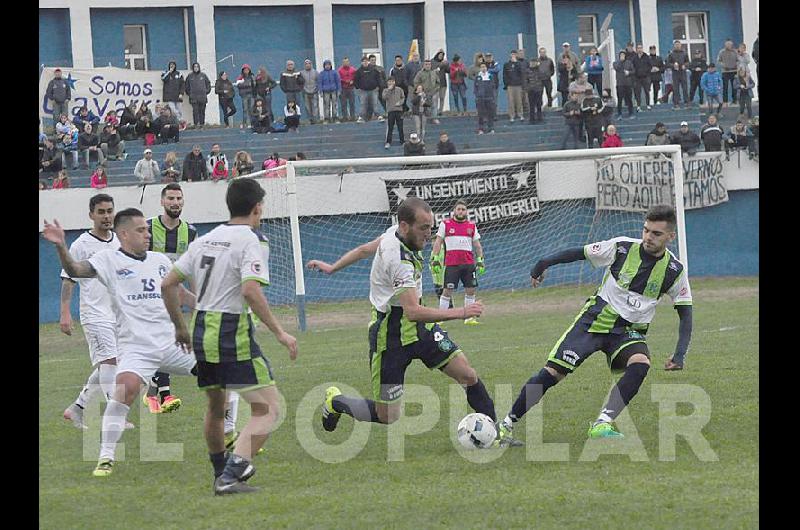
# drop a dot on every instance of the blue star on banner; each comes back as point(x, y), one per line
point(71, 82)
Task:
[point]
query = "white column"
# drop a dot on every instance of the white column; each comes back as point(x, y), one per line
point(648, 16)
point(545, 33)
point(435, 36)
point(205, 39)
point(80, 26)
point(750, 33)
point(323, 40)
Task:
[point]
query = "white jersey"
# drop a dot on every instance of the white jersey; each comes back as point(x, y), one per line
point(395, 268)
point(95, 302)
point(220, 262)
point(143, 324)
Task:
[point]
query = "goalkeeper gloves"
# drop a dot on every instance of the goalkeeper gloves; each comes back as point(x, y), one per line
point(480, 268)
point(436, 267)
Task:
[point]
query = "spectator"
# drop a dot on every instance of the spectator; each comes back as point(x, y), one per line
point(533, 85)
point(547, 68)
point(494, 69)
point(171, 171)
point(441, 66)
point(127, 122)
point(291, 113)
point(697, 68)
point(242, 164)
point(194, 166)
point(428, 77)
point(111, 117)
point(400, 74)
point(658, 136)
point(246, 83)
point(173, 89)
point(146, 169)
point(572, 119)
point(217, 163)
point(592, 113)
point(144, 120)
point(745, 84)
point(198, 86)
point(51, 160)
point(711, 134)
point(330, 85)
point(610, 137)
point(69, 144)
point(42, 185)
point(475, 69)
point(291, 82)
point(728, 60)
point(420, 109)
point(59, 93)
point(641, 78)
point(593, 66)
point(656, 71)
point(754, 128)
point(61, 181)
point(88, 143)
point(99, 177)
point(166, 126)
point(347, 98)
point(223, 88)
point(608, 107)
point(755, 54)
point(740, 137)
point(445, 146)
point(742, 59)
point(485, 99)
point(566, 49)
point(678, 63)
point(688, 140)
point(567, 73)
point(629, 51)
point(667, 85)
point(711, 84)
point(395, 98)
point(512, 82)
point(63, 126)
point(260, 118)
point(85, 115)
point(373, 62)
point(264, 86)
point(580, 87)
point(275, 166)
point(412, 69)
point(625, 75)
point(458, 84)
point(414, 146)
point(367, 81)
point(526, 108)
point(310, 91)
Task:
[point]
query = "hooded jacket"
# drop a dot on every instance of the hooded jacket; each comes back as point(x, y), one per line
point(429, 79)
point(412, 68)
point(246, 83)
point(657, 138)
point(711, 83)
point(612, 140)
point(223, 87)
point(441, 66)
point(81, 121)
point(474, 70)
point(173, 84)
point(329, 80)
point(291, 81)
point(198, 86)
point(625, 72)
point(593, 64)
point(395, 98)
point(310, 81)
point(264, 83)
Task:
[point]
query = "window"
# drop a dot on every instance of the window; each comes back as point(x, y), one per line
point(371, 41)
point(690, 29)
point(587, 33)
point(135, 47)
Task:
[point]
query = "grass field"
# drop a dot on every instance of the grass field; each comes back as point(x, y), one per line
point(432, 485)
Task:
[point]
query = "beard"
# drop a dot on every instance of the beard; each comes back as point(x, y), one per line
point(174, 214)
point(460, 217)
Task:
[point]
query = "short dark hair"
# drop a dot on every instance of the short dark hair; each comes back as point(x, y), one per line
point(123, 216)
point(371, 55)
point(662, 212)
point(172, 186)
point(408, 210)
point(301, 156)
point(461, 201)
point(243, 195)
point(396, 56)
point(391, 78)
point(97, 199)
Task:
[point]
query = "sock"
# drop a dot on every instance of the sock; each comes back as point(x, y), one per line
point(107, 374)
point(234, 468)
point(231, 412)
point(113, 427)
point(623, 391)
point(218, 461)
point(531, 393)
point(162, 380)
point(445, 302)
point(360, 409)
point(478, 398)
point(469, 300)
point(152, 387)
point(89, 390)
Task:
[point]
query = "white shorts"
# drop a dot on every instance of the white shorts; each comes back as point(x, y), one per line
point(173, 360)
point(102, 341)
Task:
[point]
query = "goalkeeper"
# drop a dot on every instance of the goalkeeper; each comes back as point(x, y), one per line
point(463, 257)
point(438, 273)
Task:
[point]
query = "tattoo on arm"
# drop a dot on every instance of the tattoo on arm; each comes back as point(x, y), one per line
point(75, 269)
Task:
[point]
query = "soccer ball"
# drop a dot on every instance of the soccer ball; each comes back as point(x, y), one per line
point(476, 430)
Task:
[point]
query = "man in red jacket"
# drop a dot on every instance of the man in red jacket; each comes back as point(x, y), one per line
point(347, 98)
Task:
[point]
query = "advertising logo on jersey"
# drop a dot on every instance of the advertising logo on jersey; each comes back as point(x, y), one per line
point(124, 274)
point(595, 249)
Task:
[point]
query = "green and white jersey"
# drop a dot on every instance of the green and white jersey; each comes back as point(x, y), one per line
point(632, 285)
point(172, 242)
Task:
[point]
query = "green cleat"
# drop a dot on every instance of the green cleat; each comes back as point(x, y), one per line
point(505, 438)
point(472, 321)
point(329, 416)
point(230, 442)
point(104, 468)
point(604, 430)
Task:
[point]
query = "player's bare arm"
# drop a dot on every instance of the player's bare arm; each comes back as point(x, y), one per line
point(367, 250)
point(54, 233)
point(437, 245)
point(65, 321)
point(417, 313)
point(170, 294)
point(187, 297)
point(564, 256)
point(251, 290)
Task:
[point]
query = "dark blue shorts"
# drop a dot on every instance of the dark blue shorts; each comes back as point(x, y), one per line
point(577, 344)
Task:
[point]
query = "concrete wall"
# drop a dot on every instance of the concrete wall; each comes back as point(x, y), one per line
point(565, 19)
point(724, 18)
point(55, 46)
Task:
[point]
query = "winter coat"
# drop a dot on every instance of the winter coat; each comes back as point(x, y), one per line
point(698, 63)
point(546, 66)
point(97, 182)
point(625, 72)
point(656, 62)
point(654, 138)
point(494, 69)
point(533, 80)
point(421, 105)
point(224, 88)
point(81, 121)
point(329, 79)
point(593, 65)
point(580, 89)
point(711, 83)
point(612, 140)
point(58, 90)
point(173, 85)
point(755, 51)
point(429, 79)
point(291, 81)
point(592, 111)
point(484, 87)
point(412, 69)
point(400, 74)
point(569, 107)
point(745, 85)
point(712, 136)
point(367, 78)
point(395, 98)
point(194, 167)
point(128, 117)
point(446, 148)
point(413, 149)
point(264, 83)
point(565, 77)
point(87, 140)
point(310, 81)
point(641, 65)
point(161, 121)
point(688, 141)
point(441, 66)
point(458, 73)
point(246, 83)
point(198, 86)
point(728, 60)
point(346, 76)
point(743, 61)
point(680, 57)
point(112, 140)
point(146, 171)
point(475, 69)
point(512, 74)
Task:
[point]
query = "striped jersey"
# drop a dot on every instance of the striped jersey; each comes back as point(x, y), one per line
point(173, 242)
point(219, 263)
point(95, 301)
point(458, 237)
point(632, 285)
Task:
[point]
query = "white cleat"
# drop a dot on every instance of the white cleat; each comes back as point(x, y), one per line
point(74, 414)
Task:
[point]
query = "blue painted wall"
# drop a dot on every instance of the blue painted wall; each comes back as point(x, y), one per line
point(164, 34)
point(724, 19)
point(264, 36)
point(55, 41)
point(722, 240)
point(565, 20)
point(489, 26)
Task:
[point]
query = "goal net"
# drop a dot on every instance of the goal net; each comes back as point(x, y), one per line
point(525, 205)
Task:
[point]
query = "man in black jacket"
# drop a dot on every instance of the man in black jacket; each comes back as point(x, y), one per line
point(548, 69)
point(414, 146)
point(711, 134)
point(367, 81)
point(688, 140)
point(398, 71)
point(445, 146)
point(194, 166)
point(697, 67)
point(112, 144)
point(678, 62)
point(173, 88)
point(592, 111)
point(51, 161)
point(512, 82)
point(572, 119)
point(656, 71)
point(59, 93)
point(166, 126)
point(198, 86)
point(641, 80)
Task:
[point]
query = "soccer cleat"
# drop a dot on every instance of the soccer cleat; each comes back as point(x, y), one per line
point(604, 430)
point(330, 418)
point(223, 487)
point(104, 468)
point(505, 438)
point(152, 404)
point(170, 404)
point(472, 321)
point(74, 414)
point(129, 426)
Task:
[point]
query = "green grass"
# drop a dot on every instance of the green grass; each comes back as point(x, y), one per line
point(433, 486)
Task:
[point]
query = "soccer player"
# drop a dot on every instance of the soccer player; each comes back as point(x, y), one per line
point(171, 236)
point(229, 266)
point(616, 318)
point(401, 329)
point(437, 272)
point(460, 236)
point(145, 336)
point(96, 317)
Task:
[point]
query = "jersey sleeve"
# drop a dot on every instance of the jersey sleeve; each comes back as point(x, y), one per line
point(681, 292)
point(254, 264)
point(476, 236)
point(402, 275)
point(601, 253)
point(101, 262)
point(183, 266)
point(440, 232)
point(76, 251)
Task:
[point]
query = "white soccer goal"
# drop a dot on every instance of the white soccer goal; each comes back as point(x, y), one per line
point(526, 205)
